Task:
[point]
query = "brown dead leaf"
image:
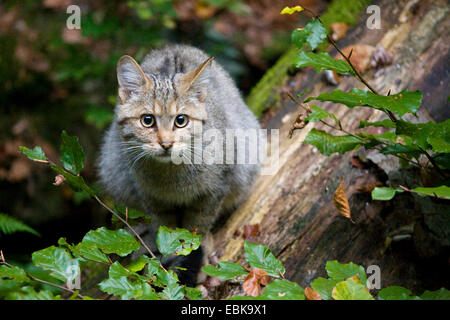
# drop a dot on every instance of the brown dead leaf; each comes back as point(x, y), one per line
point(369, 187)
point(338, 30)
point(311, 294)
point(252, 284)
point(356, 162)
point(251, 230)
point(341, 201)
point(360, 58)
point(298, 124)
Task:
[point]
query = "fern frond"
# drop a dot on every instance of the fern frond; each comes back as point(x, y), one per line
point(10, 225)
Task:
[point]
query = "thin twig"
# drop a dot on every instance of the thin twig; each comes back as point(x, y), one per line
point(40, 280)
point(123, 221)
point(347, 132)
point(430, 158)
point(347, 59)
point(129, 227)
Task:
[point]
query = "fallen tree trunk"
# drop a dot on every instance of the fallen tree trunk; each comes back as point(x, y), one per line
point(294, 208)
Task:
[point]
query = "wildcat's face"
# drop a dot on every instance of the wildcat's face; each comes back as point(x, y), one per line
point(156, 117)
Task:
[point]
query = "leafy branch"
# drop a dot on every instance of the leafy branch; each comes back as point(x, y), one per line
point(29, 276)
point(409, 141)
point(300, 123)
point(73, 162)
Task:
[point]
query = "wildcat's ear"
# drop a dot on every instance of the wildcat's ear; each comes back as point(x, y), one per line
point(196, 78)
point(131, 78)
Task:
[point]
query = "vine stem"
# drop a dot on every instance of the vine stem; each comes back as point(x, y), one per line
point(40, 280)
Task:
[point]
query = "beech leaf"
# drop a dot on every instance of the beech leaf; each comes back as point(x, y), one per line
point(341, 202)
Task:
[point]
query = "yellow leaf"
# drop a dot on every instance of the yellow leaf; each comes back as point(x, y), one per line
point(289, 10)
point(341, 202)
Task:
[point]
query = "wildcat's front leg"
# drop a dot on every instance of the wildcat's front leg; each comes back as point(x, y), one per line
point(200, 218)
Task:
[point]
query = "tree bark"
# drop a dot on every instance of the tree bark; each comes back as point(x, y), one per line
point(294, 208)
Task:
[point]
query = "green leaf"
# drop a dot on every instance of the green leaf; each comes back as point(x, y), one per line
point(351, 289)
point(72, 154)
point(259, 256)
point(172, 292)
point(90, 252)
point(322, 61)
point(116, 270)
point(299, 37)
point(429, 135)
point(193, 293)
point(28, 293)
point(314, 33)
point(384, 123)
point(13, 273)
point(401, 143)
point(320, 114)
point(134, 216)
point(179, 241)
point(395, 293)
point(75, 182)
point(225, 270)
point(328, 144)
point(281, 289)
point(440, 192)
point(160, 277)
point(442, 160)
point(384, 193)
point(127, 290)
point(441, 294)
point(9, 225)
point(35, 154)
point(401, 103)
point(118, 284)
point(120, 242)
point(138, 264)
point(339, 271)
point(58, 261)
point(324, 287)
point(84, 251)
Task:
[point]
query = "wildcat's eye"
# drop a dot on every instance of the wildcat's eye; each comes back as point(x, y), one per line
point(181, 120)
point(147, 120)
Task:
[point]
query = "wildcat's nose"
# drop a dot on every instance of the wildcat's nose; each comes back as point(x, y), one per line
point(166, 144)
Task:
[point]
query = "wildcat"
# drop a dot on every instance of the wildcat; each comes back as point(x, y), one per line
point(160, 102)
